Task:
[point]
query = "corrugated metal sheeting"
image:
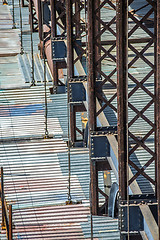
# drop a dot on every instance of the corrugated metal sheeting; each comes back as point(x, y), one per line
point(36, 169)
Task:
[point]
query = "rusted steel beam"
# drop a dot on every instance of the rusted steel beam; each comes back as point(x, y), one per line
point(74, 54)
point(31, 15)
point(133, 40)
point(54, 68)
point(6, 217)
point(94, 188)
point(2, 199)
point(53, 18)
point(158, 114)
point(22, 3)
point(97, 49)
point(122, 93)
point(70, 56)
point(92, 106)
point(91, 70)
point(73, 123)
point(77, 17)
point(38, 8)
point(49, 32)
point(96, 79)
point(97, 54)
point(93, 56)
point(126, 151)
point(75, 29)
point(70, 65)
point(10, 223)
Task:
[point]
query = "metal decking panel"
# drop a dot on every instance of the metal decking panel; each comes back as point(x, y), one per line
point(35, 169)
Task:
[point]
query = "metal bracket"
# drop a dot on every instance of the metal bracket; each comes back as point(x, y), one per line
point(142, 199)
point(106, 130)
point(78, 79)
point(136, 223)
point(100, 149)
point(58, 89)
point(59, 49)
point(77, 92)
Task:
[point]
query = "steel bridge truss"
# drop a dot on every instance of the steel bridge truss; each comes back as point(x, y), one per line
point(111, 51)
point(76, 57)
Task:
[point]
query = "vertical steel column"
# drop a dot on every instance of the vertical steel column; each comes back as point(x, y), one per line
point(77, 9)
point(31, 15)
point(158, 112)
point(92, 104)
point(22, 3)
point(70, 64)
point(122, 93)
point(70, 57)
point(93, 56)
point(2, 198)
point(97, 49)
point(91, 69)
point(10, 222)
point(21, 26)
point(40, 26)
point(32, 54)
point(53, 18)
point(54, 34)
point(75, 52)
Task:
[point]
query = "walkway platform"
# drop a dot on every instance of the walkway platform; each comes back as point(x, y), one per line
point(9, 39)
point(35, 168)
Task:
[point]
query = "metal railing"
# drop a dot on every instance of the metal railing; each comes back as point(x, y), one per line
point(6, 211)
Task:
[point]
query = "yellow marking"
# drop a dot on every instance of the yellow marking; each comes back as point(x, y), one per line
point(84, 120)
point(106, 173)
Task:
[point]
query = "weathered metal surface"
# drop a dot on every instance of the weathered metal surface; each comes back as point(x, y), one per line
point(122, 95)
point(25, 61)
point(55, 68)
point(9, 70)
point(158, 113)
point(96, 80)
point(141, 91)
point(36, 172)
point(35, 176)
point(140, 157)
point(75, 28)
point(24, 117)
point(9, 40)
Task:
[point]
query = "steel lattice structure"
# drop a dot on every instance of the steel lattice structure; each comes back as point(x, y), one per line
point(117, 48)
point(76, 55)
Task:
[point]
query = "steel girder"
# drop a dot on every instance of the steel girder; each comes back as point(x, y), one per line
point(44, 16)
point(97, 102)
point(157, 119)
point(131, 142)
point(115, 41)
point(127, 85)
point(128, 140)
point(76, 53)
